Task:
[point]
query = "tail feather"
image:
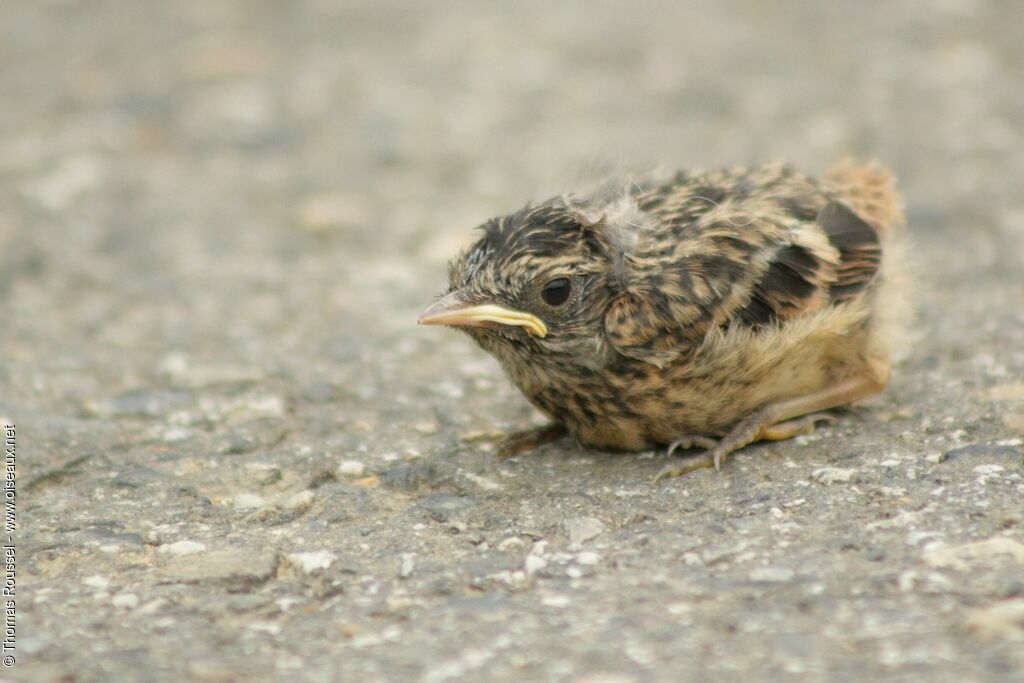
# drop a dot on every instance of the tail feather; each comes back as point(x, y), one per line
point(870, 190)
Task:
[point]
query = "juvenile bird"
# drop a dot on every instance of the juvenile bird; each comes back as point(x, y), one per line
point(705, 310)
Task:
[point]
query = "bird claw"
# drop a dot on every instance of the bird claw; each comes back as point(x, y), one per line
point(717, 457)
point(684, 466)
point(745, 432)
point(711, 457)
point(692, 441)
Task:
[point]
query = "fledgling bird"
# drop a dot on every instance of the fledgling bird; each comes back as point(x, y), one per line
point(705, 310)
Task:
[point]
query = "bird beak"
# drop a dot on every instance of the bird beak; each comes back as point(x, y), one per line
point(451, 310)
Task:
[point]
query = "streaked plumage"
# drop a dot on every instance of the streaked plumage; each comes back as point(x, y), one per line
point(701, 306)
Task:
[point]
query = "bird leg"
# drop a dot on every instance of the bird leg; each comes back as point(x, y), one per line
point(776, 421)
point(529, 439)
point(780, 431)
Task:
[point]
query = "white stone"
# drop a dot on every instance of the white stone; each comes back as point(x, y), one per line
point(510, 543)
point(312, 561)
point(833, 475)
point(248, 501)
point(555, 601)
point(300, 501)
point(408, 564)
point(182, 548)
point(96, 581)
point(534, 563)
point(351, 468)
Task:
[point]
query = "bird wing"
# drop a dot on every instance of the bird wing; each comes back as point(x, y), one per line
point(805, 274)
point(757, 260)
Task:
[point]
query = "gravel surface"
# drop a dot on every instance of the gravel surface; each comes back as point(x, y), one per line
point(240, 459)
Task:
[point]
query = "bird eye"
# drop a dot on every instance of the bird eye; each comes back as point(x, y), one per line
point(556, 292)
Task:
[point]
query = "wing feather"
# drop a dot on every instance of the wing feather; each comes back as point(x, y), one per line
point(758, 257)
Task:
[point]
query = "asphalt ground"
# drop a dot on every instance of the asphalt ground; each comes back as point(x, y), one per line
point(238, 458)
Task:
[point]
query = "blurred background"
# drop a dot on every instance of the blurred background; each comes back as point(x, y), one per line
point(218, 220)
point(259, 178)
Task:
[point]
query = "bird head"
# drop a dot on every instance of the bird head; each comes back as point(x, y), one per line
point(537, 281)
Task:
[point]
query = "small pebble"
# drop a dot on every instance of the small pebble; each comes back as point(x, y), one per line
point(300, 502)
point(426, 427)
point(555, 601)
point(833, 475)
point(248, 501)
point(312, 561)
point(534, 563)
point(351, 468)
point(259, 406)
point(96, 581)
point(182, 548)
point(510, 543)
point(408, 564)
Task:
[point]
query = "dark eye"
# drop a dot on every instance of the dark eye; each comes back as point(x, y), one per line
point(556, 292)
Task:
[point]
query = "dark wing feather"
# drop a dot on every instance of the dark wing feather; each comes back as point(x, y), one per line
point(792, 284)
point(860, 253)
point(799, 279)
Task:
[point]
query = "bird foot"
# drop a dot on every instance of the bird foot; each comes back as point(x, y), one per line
point(755, 427)
point(686, 465)
point(529, 439)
